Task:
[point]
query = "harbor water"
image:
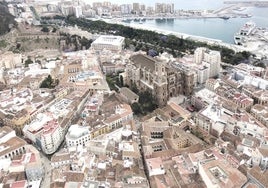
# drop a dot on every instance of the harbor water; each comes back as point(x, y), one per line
point(215, 28)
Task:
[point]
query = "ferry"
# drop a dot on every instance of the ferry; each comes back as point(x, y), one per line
point(244, 32)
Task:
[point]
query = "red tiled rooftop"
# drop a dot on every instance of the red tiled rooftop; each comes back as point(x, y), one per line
point(251, 185)
point(50, 126)
point(33, 158)
point(154, 163)
point(23, 160)
point(92, 107)
point(19, 184)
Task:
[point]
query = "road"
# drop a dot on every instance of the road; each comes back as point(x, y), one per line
point(47, 171)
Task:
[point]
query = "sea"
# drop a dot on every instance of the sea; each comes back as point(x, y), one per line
point(215, 28)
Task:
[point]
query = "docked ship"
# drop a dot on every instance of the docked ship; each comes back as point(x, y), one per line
point(244, 32)
point(225, 17)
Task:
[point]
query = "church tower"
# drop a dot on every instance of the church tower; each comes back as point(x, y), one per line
point(160, 84)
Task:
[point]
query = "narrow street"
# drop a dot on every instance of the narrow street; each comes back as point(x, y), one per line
point(47, 171)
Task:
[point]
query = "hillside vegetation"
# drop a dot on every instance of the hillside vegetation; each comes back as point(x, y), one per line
point(6, 19)
point(147, 40)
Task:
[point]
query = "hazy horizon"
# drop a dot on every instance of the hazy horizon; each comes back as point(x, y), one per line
point(178, 4)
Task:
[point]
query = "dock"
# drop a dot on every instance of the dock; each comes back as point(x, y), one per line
point(248, 3)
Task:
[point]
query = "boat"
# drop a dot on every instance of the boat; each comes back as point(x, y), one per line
point(137, 19)
point(225, 17)
point(142, 20)
point(246, 16)
point(247, 29)
point(126, 20)
point(240, 8)
point(160, 20)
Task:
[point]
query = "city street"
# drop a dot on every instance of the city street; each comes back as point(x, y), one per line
point(47, 171)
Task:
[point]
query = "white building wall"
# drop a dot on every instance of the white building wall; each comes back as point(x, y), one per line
point(214, 69)
point(113, 43)
point(78, 141)
point(248, 128)
point(126, 8)
point(203, 75)
point(50, 142)
point(205, 177)
point(78, 11)
point(7, 137)
point(264, 162)
point(199, 55)
point(156, 171)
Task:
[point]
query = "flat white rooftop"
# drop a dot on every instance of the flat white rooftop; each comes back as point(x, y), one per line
point(109, 39)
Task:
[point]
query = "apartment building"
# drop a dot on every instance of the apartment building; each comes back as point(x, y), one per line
point(212, 58)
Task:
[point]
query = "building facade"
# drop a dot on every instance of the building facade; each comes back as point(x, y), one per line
point(51, 137)
point(213, 58)
point(77, 136)
point(158, 77)
point(113, 43)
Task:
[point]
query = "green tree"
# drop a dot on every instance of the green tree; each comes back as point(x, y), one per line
point(146, 103)
point(45, 29)
point(246, 54)
point(197, 133)
point(121, 80)
point(111, 80)
point(27, 62)
point(260, 64)
point(134, 88)
point(48, 82)
point(142, 39)
point(136, 108)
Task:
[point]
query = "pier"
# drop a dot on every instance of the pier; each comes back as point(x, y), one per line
point(249, 3)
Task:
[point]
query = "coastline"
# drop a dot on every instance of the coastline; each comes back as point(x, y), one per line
point(209, 41)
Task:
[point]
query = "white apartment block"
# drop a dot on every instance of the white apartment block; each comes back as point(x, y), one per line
point(51, 137)
point(253, 129)
point(213, 58)
point(259, 157)
point(67, 10)
point(245, 78)
point(203, 73)
point(199, 55)
point(164, 8)
point(78, 11)
point(77, 136)
point(126, 8)
point(45, 132)
point(108, 42)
